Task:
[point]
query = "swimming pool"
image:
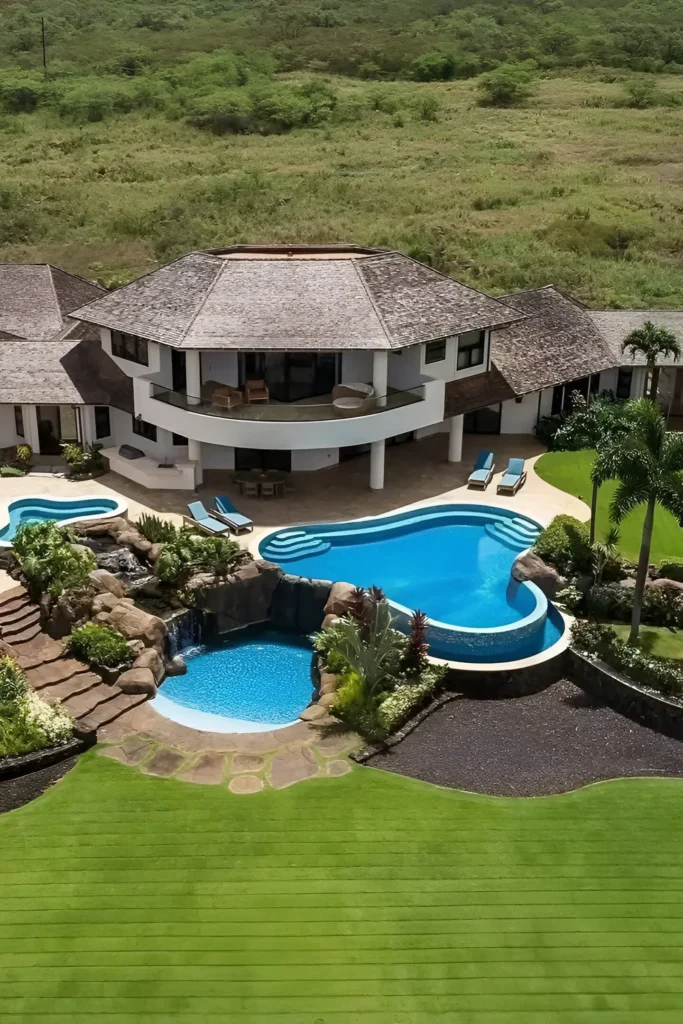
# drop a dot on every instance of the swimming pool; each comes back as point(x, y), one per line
point(252, 680)
point(37, 508)
point(453, 562)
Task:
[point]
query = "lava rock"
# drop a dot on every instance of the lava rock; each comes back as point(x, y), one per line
point(151, 659)
point(104, 581)
point(176, 666)
point(136, 624)
point(339, 599)
point(137, 680)
point(529, 568)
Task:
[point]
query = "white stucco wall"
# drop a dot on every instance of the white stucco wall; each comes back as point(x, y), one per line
point(217, 456)
point(519, 417)
point(8, 434)
point(137, 369)
point(356, 367)
point(447, 368)
point(122, 433)
point(405, 368)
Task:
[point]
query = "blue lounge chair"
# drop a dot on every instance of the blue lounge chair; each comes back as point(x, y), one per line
point(482, 472)
point(226, 511)
point(514, 477)
point(201, 518)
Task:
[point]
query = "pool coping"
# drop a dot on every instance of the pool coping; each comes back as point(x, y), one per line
point(207, 721)
point(121, 509)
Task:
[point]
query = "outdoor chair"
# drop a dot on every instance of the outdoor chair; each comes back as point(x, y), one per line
point(201, 518)
point(256, 391)
point(226, 511)
point(483, 471)
point(250, 488)
point(226, 396)
point(514, 477)
point(268, 489)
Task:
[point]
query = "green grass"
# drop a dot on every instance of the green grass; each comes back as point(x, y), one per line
point(570, 471)
point(656, 640)
point(368, 899)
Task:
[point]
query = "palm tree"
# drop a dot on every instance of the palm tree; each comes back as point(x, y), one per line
point(648, 465)
point(652, 342)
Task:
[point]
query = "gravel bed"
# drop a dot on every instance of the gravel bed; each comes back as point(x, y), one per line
point(17, 792)
point(549, 742)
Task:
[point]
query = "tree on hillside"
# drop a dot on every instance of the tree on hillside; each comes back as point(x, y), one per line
point(647, 465)
point(508, 84)
point(653, 342)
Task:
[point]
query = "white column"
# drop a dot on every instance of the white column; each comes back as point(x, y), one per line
point(194, 451)
point(380, 369)
point(193, 375)
point(377, 465)
point(455, 439)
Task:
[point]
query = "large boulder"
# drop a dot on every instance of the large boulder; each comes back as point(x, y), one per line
point(103, 527)
point(241, 599)
point(339, 599)
point(137, 680)
point(60, 615)
point(298, 603)
point(529, 568)
point(151, 659)
point(664, 584)
point(136, 624)
point(104, 602)
point(105, 581)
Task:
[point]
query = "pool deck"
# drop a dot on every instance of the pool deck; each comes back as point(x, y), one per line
point(416, 474)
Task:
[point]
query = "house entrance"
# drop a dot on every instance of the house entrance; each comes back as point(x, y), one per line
point(57, 425)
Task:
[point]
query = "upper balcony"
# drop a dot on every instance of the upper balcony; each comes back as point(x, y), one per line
point(325, 422)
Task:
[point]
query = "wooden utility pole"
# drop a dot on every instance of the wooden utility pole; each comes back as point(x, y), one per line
point(42, 32)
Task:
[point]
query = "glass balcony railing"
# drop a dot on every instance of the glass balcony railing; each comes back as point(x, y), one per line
point(229, 403)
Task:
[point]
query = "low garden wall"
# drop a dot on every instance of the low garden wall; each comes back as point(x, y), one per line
point(504, 683)
point(14, 767)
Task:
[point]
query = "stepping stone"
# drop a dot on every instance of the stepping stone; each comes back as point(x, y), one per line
point(337, 768)
point(247, 763)
point(336, 742)
point(207, 771)
point(243, 784)
point(131, 751)
point(164, 763)
point(294, 764)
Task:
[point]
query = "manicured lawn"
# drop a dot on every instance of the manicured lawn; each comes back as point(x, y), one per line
point(657, 640)
point(570, 471)
point(368, 899)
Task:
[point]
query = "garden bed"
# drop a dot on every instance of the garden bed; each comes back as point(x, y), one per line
point(22, 789)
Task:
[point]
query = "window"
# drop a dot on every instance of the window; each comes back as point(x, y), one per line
point(144, 429)
point(102, 424)
point(19, 420)
point(435, 351)
point(624, 380)
point(178, 440)
point(471, 349)
point(129, 346)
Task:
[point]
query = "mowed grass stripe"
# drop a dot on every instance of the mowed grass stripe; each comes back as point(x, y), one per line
point(368, 898)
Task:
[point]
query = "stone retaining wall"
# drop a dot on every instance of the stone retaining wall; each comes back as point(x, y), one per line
point(14, 767)
point(513, 682)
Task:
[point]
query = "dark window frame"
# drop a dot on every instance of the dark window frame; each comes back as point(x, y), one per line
point(144, 429)
point(178, 440)
point(439, 345)
point(130, 347)
point(102, 414)
point(624, 382)
point(19, 421)
point(468, 344)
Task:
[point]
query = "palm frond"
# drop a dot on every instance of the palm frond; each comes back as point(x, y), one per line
point(627, 497)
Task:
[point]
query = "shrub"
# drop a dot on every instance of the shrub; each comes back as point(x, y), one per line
point(432, 67)
point(50, 558)
point(155, 529)
point(603, 642)
point(671, 571)
point(610, 601)
point(22, 456)
point(99, 645)
point(26, 722)
point(564, 543)
point(189, 551)
point(397, 707)
point(508, 84)
point(427, 107)
point(83, 461)
point(11, 471)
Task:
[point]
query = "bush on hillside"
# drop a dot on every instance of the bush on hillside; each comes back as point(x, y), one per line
point(99, 645)
point(432, 67)
point(26, 722)
point(603, 642)
point(267, 108)
point(507, 85)
point(564, 543)
point(50, 558)
point(188, 552)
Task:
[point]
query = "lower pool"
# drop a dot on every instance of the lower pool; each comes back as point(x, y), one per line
point(249, 681)
point(38, 509)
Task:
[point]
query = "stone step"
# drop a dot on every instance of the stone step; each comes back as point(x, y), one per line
point(103, 714)
point(83, 683)
point(22, 635)
point(17, 613)
point(43, 650)
point(51, 672)
point(23, 624)
point(81, 704)
point(15, 594)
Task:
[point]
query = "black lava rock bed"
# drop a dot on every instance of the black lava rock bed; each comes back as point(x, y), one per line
point(16, 792)
point(549, 742)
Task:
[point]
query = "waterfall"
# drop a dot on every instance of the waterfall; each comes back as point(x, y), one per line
point(186, 628)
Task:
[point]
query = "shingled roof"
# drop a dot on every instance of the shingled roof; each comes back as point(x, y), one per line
point(616, 324)
point(62, 371)
point(557, 342)
point(37, 298)
point(276, 298)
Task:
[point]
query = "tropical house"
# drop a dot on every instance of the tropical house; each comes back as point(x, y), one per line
point(293, 358)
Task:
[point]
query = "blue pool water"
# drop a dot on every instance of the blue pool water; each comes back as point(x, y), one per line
point(38, 509)
point(453, 562)
point(260, 678)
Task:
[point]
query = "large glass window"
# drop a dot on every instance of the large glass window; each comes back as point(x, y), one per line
point(19, 420)
point(102, 424)
point(293, 376)
point(144, 429)
point(129, 346)
point(471, 347)
point(435, 351)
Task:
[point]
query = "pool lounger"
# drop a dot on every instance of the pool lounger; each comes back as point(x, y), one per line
point(227, 513)
point(514, 477)
point(201, 518)
point(483, 471)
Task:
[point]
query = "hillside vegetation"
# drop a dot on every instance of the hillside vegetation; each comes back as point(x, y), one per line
point(157, 129)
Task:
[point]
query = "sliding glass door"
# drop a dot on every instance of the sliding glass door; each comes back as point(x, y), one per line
point(293, 376)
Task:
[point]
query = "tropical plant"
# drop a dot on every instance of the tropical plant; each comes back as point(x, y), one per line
point(155, 529)
point(99, 645)
point(629, 659)
point(564, 543)
point(414, 659)
point(189, 551)
point(367, 640)
point(50, 558)
point(23, 453)
point(27, 723)
point(606, 554)
point(83, 461)
point(647, 465)
point(653, 342)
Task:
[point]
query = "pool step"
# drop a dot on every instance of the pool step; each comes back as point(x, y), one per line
point(512, 535)
point(294, 544)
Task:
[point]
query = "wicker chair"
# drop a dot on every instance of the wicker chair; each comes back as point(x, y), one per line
point(256, 391)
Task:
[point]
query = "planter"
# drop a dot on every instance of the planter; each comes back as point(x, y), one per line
point(14, 767)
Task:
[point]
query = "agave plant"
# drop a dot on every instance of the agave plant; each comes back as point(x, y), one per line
point(367, 640)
